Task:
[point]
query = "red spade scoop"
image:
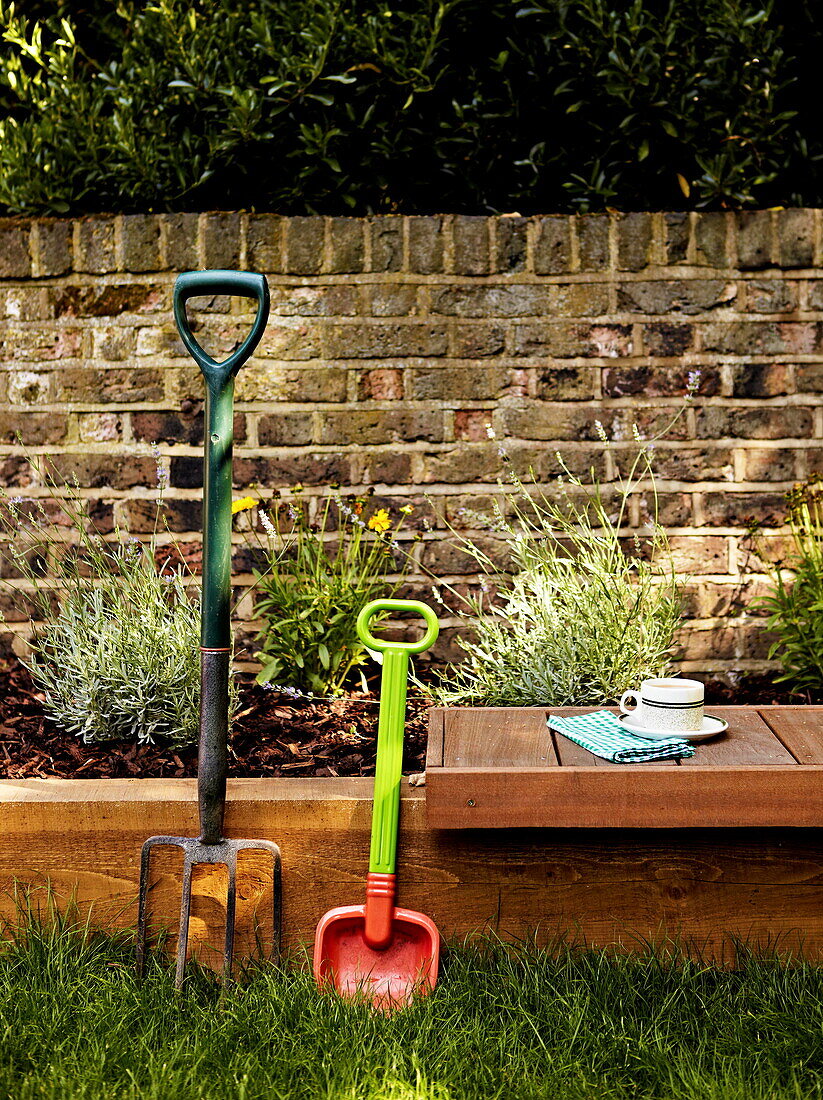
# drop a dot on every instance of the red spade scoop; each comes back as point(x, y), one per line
point(375, 950)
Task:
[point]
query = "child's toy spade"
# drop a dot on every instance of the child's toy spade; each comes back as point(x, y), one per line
point(374, 950)
point(215, 650)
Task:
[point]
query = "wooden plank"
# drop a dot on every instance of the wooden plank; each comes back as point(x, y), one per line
point(632, 796)
point(434, 745)
point(609, 887)
point(748, 741)
point(800, 729)
point(500, 737)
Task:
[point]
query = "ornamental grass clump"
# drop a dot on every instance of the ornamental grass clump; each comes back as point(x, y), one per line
point(585, 612)
point(795, 608)
point(317, 577)
point(114, 644)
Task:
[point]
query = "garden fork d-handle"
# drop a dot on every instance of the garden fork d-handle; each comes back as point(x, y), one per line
point(242, 284)
point(389, 767)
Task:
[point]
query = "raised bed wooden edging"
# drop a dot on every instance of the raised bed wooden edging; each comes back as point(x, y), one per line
point(605, 886)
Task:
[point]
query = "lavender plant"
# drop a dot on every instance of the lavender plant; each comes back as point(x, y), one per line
point(581, 617)
point(115, 636)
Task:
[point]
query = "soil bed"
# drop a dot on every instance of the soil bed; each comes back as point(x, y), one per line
point(273, 735)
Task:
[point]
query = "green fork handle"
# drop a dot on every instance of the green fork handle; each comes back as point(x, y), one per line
point(219, 436)
point(215, 617)
point(391, 725)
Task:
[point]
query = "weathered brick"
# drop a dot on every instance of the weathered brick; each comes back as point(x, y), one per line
point(762, 380)
point(477, 382)
point(375, 426)
point(566, 383)
point(381, 384)
point(710, 239)
point(634, 241)
point(471, 245)
point(478, 340)
point(552, 246)
point(754, 239)
point(264, 240)
point(221, 241)
point(108, 301)
point(380, 341)
point(768, 422)
point(15, 249)
point(286, 469)
point(795, 231)
point(164, 427)
point(774, 464)
point(465, 462)
point(140, 516)
point(657, 381)
point(729, 509)
point(289, 340)
point(425, 245)
point(387, 243)
point(122, 384)
point(564, 341)
point(669, 509)
point(113, 470)
point(622, 424)
point(304, 245)
point(698, 555)
point(314, 301)
point(100, 427)
point(388, 300)
point(449, 558)
point(96, 246)
point(667, 339)
point(539, 420)
point(32, 429)
point(510, 247)
point(286, 429)
point(593, 242)
point(32, 344)
point(269, 382)
point(816, 294)
point(677, 237)
point(27, 387)
point(694, 464)
point(380, 467)
point(141, 242)
point(54, 246)
point(181, 232)
point(687, 296)
point(808, 377)
point(761, 337)
point(25, 303)
point(347, 245)
point(472, 424)
point(771, 296)
point(569, 300)
point(112, 343)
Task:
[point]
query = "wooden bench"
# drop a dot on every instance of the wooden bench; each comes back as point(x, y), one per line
point(497, 768)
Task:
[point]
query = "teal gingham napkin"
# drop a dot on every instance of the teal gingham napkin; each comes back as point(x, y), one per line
point(602, 734)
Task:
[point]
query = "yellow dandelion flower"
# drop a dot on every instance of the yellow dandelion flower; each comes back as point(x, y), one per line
point(380, 521)
point(407, 510)
point(243, 505)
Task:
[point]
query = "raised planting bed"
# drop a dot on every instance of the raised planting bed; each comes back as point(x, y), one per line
point(757, 878)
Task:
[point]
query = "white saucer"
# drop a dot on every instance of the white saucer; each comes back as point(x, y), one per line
point(711, 728)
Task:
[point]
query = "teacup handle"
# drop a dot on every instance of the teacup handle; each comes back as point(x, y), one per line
point(630, 694)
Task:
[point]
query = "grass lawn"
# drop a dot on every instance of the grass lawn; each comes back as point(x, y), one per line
point(503, 1022)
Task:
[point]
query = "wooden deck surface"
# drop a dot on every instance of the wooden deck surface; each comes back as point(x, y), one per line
point(498, 767)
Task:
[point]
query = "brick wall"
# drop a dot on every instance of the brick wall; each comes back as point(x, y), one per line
point(394, 341)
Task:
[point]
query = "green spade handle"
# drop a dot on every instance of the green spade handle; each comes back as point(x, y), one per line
point(391, 725)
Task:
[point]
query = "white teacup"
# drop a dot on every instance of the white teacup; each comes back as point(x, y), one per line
point(666, 703)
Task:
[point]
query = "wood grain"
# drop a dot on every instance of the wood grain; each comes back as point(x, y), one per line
point(748, 741)
point(632, 796)
point(502, 737)
point(800, 729)
point(604, 887)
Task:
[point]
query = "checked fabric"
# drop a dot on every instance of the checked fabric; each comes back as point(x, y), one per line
point(602, 734)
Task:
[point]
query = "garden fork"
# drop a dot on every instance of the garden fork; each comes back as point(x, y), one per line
point(211, 846)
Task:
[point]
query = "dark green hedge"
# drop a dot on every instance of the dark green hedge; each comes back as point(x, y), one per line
point(352, 106)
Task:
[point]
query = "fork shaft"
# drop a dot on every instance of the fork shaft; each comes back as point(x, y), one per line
point(213, 749)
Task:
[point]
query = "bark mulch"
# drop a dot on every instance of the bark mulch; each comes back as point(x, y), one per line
point(272, 736)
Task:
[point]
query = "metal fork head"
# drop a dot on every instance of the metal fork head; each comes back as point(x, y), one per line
point(196, 852)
